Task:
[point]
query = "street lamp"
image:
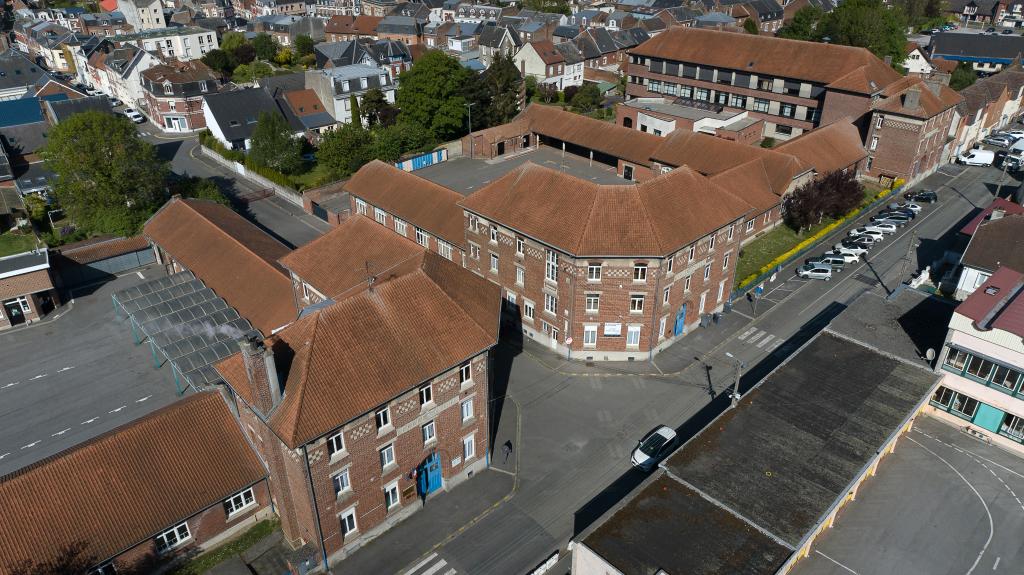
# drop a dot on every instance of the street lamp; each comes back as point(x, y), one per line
point(469, 107)
point(735, 395)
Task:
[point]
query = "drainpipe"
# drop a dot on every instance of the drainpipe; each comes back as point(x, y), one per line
point(316, 508)
point(660, 304)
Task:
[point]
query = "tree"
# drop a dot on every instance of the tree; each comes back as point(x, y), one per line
point(803, 24)
point(750, 26)
point(553, 6)
point(431, 94)
point(547, 93)
point(284, 56)
point(588, 98)
point(831, 196)
point(374, 104)
point(220, 60)
point(200, 188)
point(304, 45)
point(273, 144)
point(867, 24)
point(36, 207)
point(531, 88)
point(231, 41)
point(245, 73)
point(476, 92)
point(266, 47)
point(963, 76)
point(244, 54)
point(354, 104)
point(569, 93)
point(505, 84)
point(109, 179)
point(345, 150)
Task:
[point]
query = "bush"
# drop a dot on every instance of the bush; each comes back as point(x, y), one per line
point(208, 140)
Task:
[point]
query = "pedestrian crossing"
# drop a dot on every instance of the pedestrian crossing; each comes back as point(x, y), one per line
point(433, 564)
point(760, 339)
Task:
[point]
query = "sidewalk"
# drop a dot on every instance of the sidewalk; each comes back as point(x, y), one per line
point(442, 517)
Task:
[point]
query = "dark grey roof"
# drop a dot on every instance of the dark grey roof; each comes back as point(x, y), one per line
point(24, 139)
point(567, 32)
point(814, 423)
point(413, 10)
point(571, 54)
point(682, 13)
point(5, 170)
point(984, 6)
point(16, 70)
point(387, 51)
point(237, 112)
point(62, 109)
point(30, 259)
point(669, 528)
point(604, 40)
point(492, 36)
point(586, 45)
point(36, 178)
point(399, 25)
point(630, 37)
point(278, 85)
point(340, 53)
point(980, 46)
point(997, 243)
point(906, 325)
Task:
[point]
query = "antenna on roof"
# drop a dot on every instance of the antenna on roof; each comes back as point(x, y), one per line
point(370, 278)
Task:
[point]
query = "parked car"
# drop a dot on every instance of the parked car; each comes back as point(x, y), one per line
point(837, 263)
point(897, 220)
point(915, 208)
point(847, 257)
point(866, 241)
point(997, 140)
point(1013, 162)
point(990, 30)
point(898, 212)
point(926, 196)
point(114, 102)
point(815, 271)
point(977, 158)
point(1007, 31)
point(654, 447)
point(868, 230)
point(1016, 133)
point(134, 116)
point(852, 250)
point(885, 228)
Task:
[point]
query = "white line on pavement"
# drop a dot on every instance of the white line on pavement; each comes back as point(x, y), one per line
point(66, 368)
point(40, 376)
point(87, 421)
point(12, 384)
point(118, 409)
point(744, 335)
point(761, 343)
point(61, 432)
point(437, 567)
point(5, 455)
point(33, 444)
point(836, 562)
point(756, 336)
point(450, 572)
point(996, 564)
point(416, 567)
point(140, 275)
point(141, 399)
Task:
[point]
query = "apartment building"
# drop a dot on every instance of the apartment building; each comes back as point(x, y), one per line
point(336, 86)
point(174, 94)
point(793, 86)
point(982, 362)
point(606, 272)
point(356, 425)
point(182, 43)
point(142, 14)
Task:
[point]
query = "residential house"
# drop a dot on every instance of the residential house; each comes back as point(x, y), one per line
point(116, 70)
point(981, 11)
point(379, 8)
point(27, 292)
point(392, 56)
point(20, 76)
point(174, 94)
point(915, 60)
point(105, 24)
point(182, 43)
point(661, 116)
point(716, 21)
point(498, 41)
point(547, 63)
point(347, 28)
point(336, 86)
point(285, 28)
point(996, 242)
point(989, 104)
point(987, 53)
point(306, 107)
point(142, 14)
point(469, 12)
point(982, 360)
point(402, 28)
point(767, 15)
point(231, 116)
point(206, 486)
point(344, 442)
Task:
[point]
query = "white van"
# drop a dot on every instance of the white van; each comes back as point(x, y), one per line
point(977, 158)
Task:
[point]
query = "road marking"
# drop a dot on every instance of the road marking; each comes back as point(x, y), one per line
point(744, 335)
point(141, 277)
point(775, 345)
point(450, 572)
point(63, 369)
point(33, 444)
point(765, 340)
point(996, 565)
point(87, 421)
point(437, 567)
point(836, 562)
point(757, 336)
point(982, 457)
point(118, 409)
point(991, 524)
point(61, 432)
point(416, 567)
point(5, 455)
point(140, 400)
point(40, 376)
point(10, 385)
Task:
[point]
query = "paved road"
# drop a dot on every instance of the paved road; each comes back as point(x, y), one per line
point(73, 378)
point(943, 503)
point(577, 430)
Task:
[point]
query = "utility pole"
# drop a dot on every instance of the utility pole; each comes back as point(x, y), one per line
point(906, 258)
point(469, 107)
point(735, 396)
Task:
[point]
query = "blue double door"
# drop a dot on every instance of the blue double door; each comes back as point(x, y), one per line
point(429, 475)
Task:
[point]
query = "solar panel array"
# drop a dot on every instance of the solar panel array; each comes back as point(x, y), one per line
point(186, 323)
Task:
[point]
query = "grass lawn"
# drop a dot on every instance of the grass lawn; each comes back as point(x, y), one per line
point(769, 246)
point(318, 176)
point(15, 243)
point(202, 563)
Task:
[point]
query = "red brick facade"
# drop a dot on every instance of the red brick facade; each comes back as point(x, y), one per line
point(905, 147)
point(426, 238)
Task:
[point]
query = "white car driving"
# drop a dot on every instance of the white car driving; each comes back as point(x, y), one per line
point(654, 447)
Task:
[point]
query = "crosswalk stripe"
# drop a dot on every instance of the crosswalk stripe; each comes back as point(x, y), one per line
point(416, 567)
point(775, 345)
point(435, 568)
point(766, 340)
point(744, 335)
point(450, 572)
point(756, 336)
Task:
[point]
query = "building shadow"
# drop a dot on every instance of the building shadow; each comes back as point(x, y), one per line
point(925, 324)
point(510, 344)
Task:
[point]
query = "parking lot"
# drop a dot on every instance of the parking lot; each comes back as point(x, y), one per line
point(72, 378)
point(943, 503)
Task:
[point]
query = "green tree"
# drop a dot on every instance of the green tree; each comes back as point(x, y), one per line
point(201, 188)
point(531, 88)
point(232, 40)
point(588, 98)
point(345, 150)
point(374, 105)
point(505, 84)
point(803, 25)
point(431, 94)
point(274, 146)
point(246, 73)
point(357, 118)
point(284, 56)
point(304, 45)
point(109, 179)
point(963, 76)
point(476, 92)
point(244, 54)
point(750, 26)
point(220, 61)
point(36, 207)
point(391, 142)
point(867, 24)
point(266, 47)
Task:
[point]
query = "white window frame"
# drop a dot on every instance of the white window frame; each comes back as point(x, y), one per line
point(551, 304)
point(640, 273)
point(360, 207)
point(426, 394)
point(669, 263)
point(520, 245)
point(422, 238)
point(590, 336)
point(636, 303)
point(162, 544)
point(732, 228)
point(468, 447)
point(707, 272)
point(528, 311)
point(494, 234)
point(392, 498)
point(633, 336)
point(703, 302)
point(336, 445)
point(666, 295)
point(661, 327)
point(494, 262)
point(467, 410)
point(246, 499)
point(593, 272)
point(520, 276)
point(429, 432)
point(466, 374)
point(721, 291)
point(445, 249)
point(874, 143)
point(400, 225)
point(346, 516)
point(342, 482)
point(711, 242)
point(387, 456)
point(686, 283)
point(382, 418)
point(551, 265)
point(381, 216)
point(750, 225)
point(725, 261)
point(592, 302)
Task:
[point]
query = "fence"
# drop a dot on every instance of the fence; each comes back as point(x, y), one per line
point(279, 190)
point(423, 160)
point(810, 243)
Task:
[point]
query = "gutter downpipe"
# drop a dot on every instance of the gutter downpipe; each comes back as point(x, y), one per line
point(316, 508)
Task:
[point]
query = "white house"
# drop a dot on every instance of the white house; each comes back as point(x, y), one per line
point(916, 62)
point(557, 65)
point(182, 43)
point(997, 242)
point(336, 86)
point(142, 14)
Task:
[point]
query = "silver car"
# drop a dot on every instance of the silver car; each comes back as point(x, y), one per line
point(815, 271)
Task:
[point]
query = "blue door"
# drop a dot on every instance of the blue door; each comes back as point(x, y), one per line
point(429, 477)
point(680, 327)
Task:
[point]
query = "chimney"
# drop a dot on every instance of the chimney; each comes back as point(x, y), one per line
point(261, 370)
point(935, 81)
point(888, 60)
point(912, 98)
point(997, 214)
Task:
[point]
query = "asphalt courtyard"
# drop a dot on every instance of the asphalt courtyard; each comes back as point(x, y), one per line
point(944, 503)
point(69, 379)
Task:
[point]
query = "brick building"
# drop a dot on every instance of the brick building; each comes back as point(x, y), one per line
point(606, 272)
point(179, 480)
point(348, 28)
point(411, 206)
point(26, 288)
point(174, 94)
point(355, 421)
point(793, 86)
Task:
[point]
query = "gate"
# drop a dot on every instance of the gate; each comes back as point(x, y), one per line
point(429, 475)
point(680, 327)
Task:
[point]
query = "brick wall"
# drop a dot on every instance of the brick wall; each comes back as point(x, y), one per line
point(429, 240)
point(35, 302)
point(906, 148)
point(189, 108)
point(838, 105)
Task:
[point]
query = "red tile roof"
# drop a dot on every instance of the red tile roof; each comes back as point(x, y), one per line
point(369, 347)
point(547, 52)
point(653, 218)
point(841, 67)
point(230, 255)
point(1009, 208)
point(25, 284)
point(827, 148)
point(422, 203)
point(304, 102)
point(894, 98)
point(96, 249)
point(122, 488)
point(630, 145)
point(998, 303)
point(358, 25)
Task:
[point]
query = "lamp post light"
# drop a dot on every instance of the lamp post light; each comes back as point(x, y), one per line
point(735, 395)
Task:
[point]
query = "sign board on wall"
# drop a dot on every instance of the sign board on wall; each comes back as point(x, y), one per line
point(613, 329)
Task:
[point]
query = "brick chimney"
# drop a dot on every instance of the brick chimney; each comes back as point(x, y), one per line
point(912, 98)
point(935, 81)
point(261, 371)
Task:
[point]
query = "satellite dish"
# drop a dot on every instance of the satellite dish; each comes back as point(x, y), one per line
point(930, 354)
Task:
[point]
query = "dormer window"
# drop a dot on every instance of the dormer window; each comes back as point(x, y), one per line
point(168, 89)
point(344, 86)
point(362, 83)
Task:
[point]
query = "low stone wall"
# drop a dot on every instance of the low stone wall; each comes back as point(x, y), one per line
point(280, 191)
